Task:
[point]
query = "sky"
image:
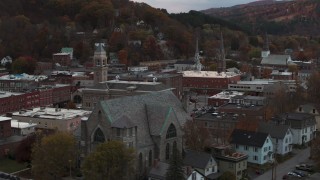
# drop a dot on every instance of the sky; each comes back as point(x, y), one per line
point(177, 6)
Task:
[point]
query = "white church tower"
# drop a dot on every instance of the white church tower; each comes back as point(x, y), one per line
point(265, 50)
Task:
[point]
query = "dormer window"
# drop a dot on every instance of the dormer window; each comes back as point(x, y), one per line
point(313, 111)
point(171, 132)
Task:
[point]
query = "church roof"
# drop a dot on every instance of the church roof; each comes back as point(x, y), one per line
point(99, 47)
point(150, 112)
point(276, 59)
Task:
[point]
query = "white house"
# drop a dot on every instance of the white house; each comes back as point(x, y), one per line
point(257, 145)
point(281, 136)
point(203, 162)
point(303, 126)
point(195, 175)
point(6, 60)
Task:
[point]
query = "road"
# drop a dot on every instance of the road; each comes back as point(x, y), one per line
point(282, 169)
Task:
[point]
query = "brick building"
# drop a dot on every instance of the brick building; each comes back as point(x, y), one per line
point(63, 59)
point(8, 141)
point(208, 82)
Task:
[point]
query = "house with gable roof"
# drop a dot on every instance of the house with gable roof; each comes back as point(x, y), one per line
point(303, 126)
point(313, 109)
point(202, 162)
point(281, 136)
point(257, 145)
point(150, 123)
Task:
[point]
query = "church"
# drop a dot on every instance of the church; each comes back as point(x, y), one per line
point(150, 123)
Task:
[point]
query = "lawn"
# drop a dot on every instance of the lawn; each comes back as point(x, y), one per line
point(10, 166)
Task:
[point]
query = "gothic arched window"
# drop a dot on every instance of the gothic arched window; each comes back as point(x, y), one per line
point(99, 136)
point(171, 132)
point(167, 151)
point(150, 158)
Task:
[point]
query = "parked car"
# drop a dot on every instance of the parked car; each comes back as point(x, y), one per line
point(305, 167)
point(300, 173)
point(293, 174)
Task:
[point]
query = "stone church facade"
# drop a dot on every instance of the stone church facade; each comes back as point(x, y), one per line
point(150, 123)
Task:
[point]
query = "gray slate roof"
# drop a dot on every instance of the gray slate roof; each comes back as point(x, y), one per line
point(275, 130)
point(145, 111)
point(196, 159)
point(123, 85)
point(248, 138)
point(275, 59)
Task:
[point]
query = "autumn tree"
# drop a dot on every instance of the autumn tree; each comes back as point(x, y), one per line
point(23, 150)
point(197, 137)
point(24, 64)
point(110, 160)
point(53, 155)
point(175, 170)
point(313, 85)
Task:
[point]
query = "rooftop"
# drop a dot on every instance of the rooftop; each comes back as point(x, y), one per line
point(4, 94)
point(5, 118)
point(226, 95)
point(23, 77)
point(208, 74)
point(17, 124)
point(52, 113)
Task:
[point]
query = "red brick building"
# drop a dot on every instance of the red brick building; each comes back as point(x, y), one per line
point(63, 59)
point(208, 82)
point(9, 142)
point(44, 96)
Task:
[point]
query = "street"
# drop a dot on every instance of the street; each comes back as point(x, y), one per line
point(289, 165)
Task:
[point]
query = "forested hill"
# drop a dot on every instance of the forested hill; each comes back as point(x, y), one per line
point(276, 17)
point(39, 28)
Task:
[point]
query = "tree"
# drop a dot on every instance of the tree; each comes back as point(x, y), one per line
point(175, 170)
point(315, 151)
point(24, 64)
point(313, 84)
point(197, 137)
point(227, 176)
point(111, 160)
point(23, 151)
point(53, 156)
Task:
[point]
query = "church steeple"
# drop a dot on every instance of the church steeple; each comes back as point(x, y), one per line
point(222, 58)
point(197, 58)
point(265, 50)
point(100, 63)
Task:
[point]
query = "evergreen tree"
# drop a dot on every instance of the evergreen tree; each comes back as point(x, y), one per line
point(175, 171)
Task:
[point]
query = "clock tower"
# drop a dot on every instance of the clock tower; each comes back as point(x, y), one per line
point(100, 64)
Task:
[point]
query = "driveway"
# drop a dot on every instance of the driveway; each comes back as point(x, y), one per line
point(301, 156)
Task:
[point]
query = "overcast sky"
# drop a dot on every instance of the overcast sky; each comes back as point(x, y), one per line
point(177, 6)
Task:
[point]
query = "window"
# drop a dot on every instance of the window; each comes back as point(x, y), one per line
point(255, 158)
point(237, 146)
point(150, 158)
point(140, 163)
point(130, 132)
point(286, 140)
point(255, 149)
point(265, 157)
point(171, 132)
point(118, 132)
point(98, 136)
point(167, 151)
point(246, 147)
point(267, 140)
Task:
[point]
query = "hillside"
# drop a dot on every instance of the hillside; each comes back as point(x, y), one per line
point(276, 17)
point(38, 28)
